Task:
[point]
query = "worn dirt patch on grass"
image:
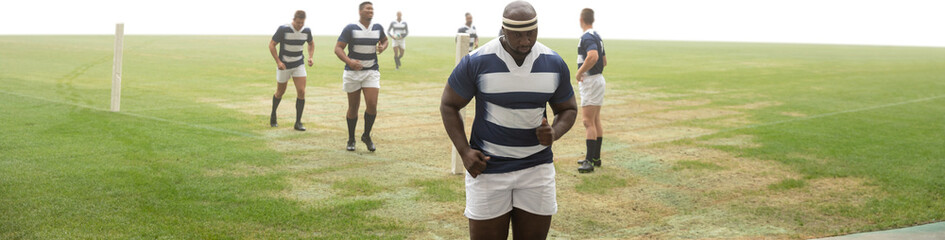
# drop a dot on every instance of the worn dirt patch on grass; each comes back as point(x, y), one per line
point(641, 128)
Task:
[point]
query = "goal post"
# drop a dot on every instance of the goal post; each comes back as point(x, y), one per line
point(116, 67)
point(462, 49)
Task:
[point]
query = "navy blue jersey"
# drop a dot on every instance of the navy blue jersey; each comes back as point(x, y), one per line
point(290, 44)
point(510, 102)
point(591, 41)
point(362, 43)
point(472, 35)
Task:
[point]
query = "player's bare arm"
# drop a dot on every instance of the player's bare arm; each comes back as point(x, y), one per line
point(311, 53)
point(450, 104)
point(340, 52)
point(275, 55)
point(565, 115)
point(382, 45)
point(589, 63)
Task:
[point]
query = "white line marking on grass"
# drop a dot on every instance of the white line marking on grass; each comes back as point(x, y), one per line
point(760, 125)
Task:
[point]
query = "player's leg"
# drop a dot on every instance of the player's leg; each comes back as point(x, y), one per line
point(496, 228)
point(590, 125)
point(526, 225)
point(595, 116)
point(299, 101)
point(398, 52)
point(282, 80)
point(354, 102)
point(534, 201)
point(370, 114)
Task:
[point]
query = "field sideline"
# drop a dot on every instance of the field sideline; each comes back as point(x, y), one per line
point(702, 140)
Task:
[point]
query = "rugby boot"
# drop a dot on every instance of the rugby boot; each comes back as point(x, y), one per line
point(350, 145)
point(298, 126)
point(586, 167)
point(367, 141)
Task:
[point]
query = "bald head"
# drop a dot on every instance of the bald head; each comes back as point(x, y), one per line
point(519, 11)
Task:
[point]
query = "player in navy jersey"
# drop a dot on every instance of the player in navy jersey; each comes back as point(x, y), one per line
point(291, 64)
point(591, 61)
point(398, 31)
point(510, 173)
point(364, 41)
point(471, 30)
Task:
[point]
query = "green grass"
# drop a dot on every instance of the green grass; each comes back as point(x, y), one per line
point(787, 184)
point(599, 183)
point(190, 155)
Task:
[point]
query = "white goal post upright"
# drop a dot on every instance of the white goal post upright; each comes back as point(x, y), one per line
point(462, 49)
point(116, 67)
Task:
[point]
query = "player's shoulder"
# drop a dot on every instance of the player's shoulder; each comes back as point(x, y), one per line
point(284, 27)
point(375, 26)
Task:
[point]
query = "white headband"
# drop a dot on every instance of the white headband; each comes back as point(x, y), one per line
point(520, 26)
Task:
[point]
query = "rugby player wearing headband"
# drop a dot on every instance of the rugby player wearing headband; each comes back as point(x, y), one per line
point(510, 173)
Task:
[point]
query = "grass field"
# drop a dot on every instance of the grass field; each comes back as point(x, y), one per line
point(702, 140)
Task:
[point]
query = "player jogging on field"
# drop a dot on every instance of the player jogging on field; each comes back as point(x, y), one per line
point(510, 173)
point(398, 32)
point(364, 41)
point(290, 64)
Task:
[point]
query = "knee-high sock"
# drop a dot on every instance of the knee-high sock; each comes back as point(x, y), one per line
point(368, 123)
point(352, 123)
point(275, 104)
point(591, 145)
point(299, 106)
point(600, 141)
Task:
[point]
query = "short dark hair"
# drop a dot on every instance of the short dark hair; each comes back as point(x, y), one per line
point(300, 14)
point(361, 7)
point(468, 14)
point(587, 15)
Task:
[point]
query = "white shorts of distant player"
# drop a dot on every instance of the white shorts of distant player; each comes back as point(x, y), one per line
point(401, 43)
point(491, 195)
point(283, 76)
point(355, 80)
point(592, 90)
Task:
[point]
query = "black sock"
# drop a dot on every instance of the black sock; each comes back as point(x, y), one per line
point(590, 149)
point(275, 104)
point(352, 123)
point(368, 123)
point(600, 141)
point(299, 106)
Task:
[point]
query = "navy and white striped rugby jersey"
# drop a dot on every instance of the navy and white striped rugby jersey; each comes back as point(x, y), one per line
point(290, 44)
point(591, 41)
point(510, 102)
point(398, 28)
point(362, 43)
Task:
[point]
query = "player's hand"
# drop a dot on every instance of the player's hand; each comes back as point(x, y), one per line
point(355, 65)
point(310, 62)
point(381, 48)
point(579, 76)
point(475, 162)
point(280, 65)
point(546, 134)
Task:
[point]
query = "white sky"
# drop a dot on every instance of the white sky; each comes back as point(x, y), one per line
point(871, 22)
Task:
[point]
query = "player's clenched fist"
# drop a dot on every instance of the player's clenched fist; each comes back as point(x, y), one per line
point(546, 134)
point(475, 162)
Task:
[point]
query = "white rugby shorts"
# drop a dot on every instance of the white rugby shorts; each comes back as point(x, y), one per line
point(402, 43)
point(355, 80)
point(592, 90)
point(283, 76)
point(532, 189)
